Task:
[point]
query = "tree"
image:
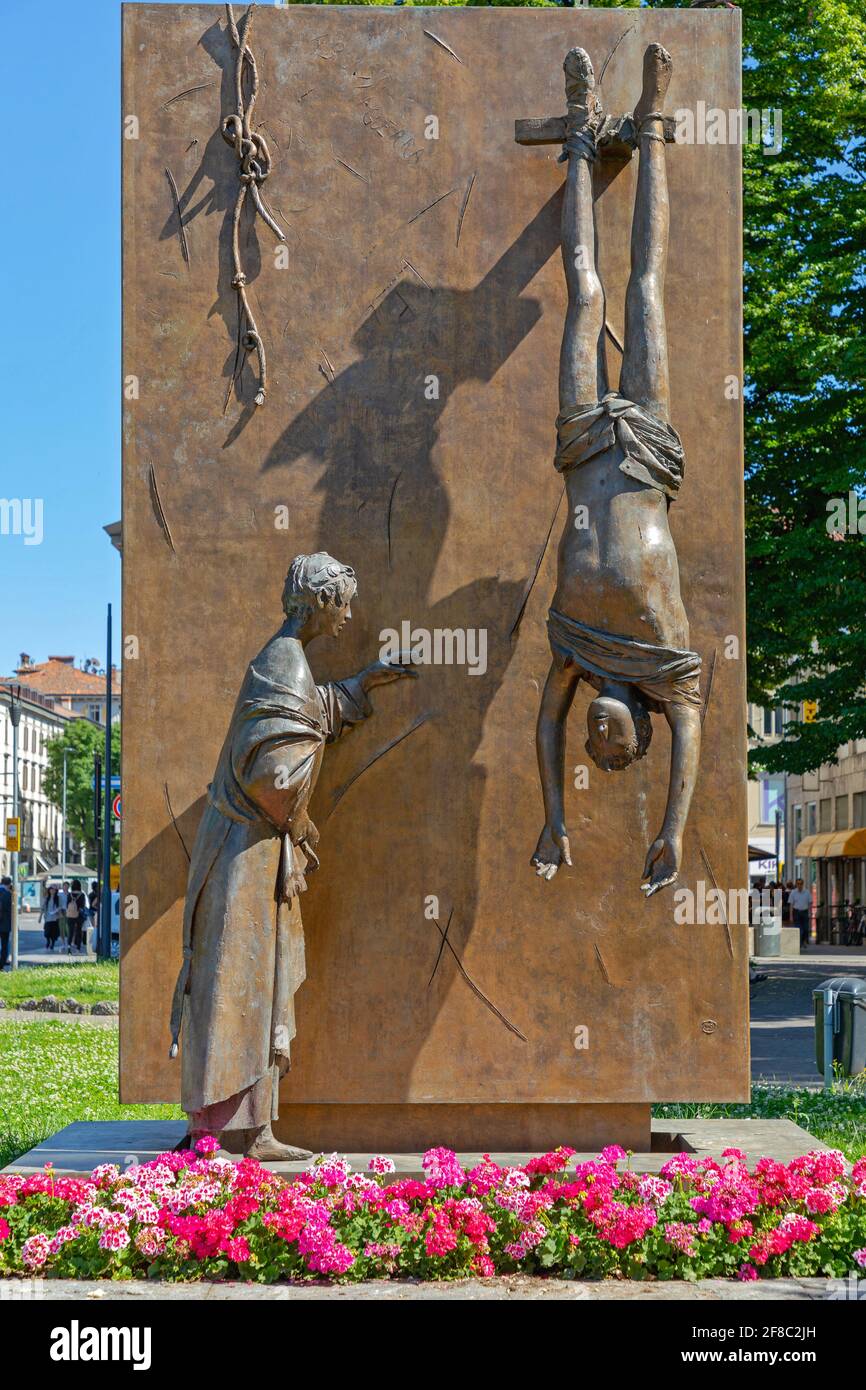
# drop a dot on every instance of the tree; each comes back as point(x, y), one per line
point(80, 740)
point(805, 256)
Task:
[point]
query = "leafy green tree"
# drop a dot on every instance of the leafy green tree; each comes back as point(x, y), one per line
point(805, 255)
point(80, 740)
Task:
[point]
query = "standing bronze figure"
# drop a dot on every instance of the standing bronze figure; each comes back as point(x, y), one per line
point(617, 619)
point(243, 941)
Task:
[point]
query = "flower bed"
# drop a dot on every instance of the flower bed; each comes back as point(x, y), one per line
point(196, 1216)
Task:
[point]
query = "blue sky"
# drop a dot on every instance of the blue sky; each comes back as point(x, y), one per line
point(60, 347)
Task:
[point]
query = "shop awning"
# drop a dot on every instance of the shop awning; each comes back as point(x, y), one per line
point(835, 844)
point(757, 852)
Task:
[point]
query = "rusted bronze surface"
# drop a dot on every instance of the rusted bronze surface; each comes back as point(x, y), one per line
point(409, 259)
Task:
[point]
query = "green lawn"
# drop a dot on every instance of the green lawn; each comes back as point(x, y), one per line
point(87, 983)
point(55, 1072)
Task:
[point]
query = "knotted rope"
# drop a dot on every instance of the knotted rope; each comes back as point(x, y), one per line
point(254, 161)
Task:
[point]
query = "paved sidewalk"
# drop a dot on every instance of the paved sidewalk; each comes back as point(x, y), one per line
point(782, 1027)
point(32, 951)
point(508, 1287)
point(36, 1016)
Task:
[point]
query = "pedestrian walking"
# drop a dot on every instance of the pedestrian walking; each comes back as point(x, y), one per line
point(801, 906)
point(93, 902)
point(76, 916)
point(50, 916)
point(62, 920)
point(5, 918)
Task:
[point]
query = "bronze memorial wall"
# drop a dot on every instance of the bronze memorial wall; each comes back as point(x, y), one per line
point(399, 277)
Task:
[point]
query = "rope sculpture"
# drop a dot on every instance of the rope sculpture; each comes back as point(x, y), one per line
point(254, 162)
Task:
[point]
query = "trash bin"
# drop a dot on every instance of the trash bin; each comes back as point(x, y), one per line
point(852, 1026)
point(846, 994)
point(768, 932)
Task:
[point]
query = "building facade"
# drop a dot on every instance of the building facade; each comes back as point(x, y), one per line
point(766, 797)
point(826, 841)
point(41, 820)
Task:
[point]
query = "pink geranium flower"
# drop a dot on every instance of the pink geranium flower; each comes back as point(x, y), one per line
point(442, 1168)
point(380, 1164)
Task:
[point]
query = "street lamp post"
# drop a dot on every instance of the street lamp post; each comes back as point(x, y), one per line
point(105, 914)
point(63, 827)
point(15, 719)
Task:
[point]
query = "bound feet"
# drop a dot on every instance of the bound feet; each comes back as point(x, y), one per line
point(657, 69)
point(585, 115)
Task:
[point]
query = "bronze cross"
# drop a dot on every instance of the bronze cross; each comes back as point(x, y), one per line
point(616, 139)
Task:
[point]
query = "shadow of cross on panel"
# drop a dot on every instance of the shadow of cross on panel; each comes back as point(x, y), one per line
point(389, 483)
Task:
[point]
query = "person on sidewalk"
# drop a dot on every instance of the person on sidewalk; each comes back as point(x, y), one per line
point(62, 921)
point(50, 916)
point(5, 918)
point(76, 914)
point(801, 906)
point(93, 903)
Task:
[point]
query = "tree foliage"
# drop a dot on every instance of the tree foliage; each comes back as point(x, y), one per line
point(805, 255)
point(80, 739)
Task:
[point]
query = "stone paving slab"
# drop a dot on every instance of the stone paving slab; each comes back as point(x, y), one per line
point(79, 1147)
point(509, 1287)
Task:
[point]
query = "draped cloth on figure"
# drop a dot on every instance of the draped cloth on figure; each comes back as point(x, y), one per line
point(243, 944)
point(663, 675)
point(653, 450)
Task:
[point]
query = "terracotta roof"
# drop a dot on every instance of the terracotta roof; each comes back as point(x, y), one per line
point(40, 701)
point(55, 677)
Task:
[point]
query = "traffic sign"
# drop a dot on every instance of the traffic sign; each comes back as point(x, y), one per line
point(13, 834)
point(115, 806)
point(115, 782)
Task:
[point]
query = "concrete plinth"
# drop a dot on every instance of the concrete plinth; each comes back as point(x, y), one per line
point(78, 1148)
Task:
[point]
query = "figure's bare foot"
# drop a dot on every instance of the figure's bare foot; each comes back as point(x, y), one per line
point(268, 1149)
point(552, 850)
point(584, 104)
point(657, 69)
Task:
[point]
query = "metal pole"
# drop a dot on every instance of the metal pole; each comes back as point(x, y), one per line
point(63, 831)
point(829, 1011)
point(97, 841)
point(15, 717)
point(105, 922)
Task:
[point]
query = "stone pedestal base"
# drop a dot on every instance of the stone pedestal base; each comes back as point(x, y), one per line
point(488, 1128)
point(78, 1148)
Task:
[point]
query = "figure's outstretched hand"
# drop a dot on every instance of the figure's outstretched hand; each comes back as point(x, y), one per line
point(552, 850)
point(662, 864)
point(383, 672)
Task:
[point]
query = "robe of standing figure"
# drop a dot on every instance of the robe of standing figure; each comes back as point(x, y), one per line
point(243, 936)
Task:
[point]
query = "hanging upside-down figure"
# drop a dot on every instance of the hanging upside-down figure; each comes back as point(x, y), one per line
point(617, 619)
